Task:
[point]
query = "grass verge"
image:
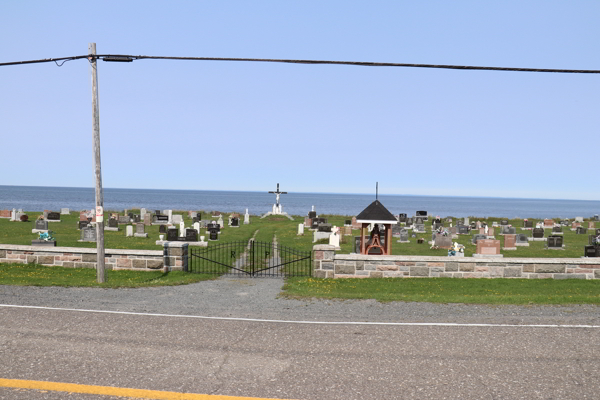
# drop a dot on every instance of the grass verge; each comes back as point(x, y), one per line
point(38, 275)
point(449, 290)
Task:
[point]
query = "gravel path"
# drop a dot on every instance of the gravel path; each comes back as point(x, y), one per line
point(258, 298)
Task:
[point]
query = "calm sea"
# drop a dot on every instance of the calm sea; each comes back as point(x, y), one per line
point(35, 198)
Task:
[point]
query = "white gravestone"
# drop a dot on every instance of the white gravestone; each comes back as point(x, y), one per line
point(129, 230)
point(300, 229)
point(197, 226)
point(334, 240)
point(65, 211)
point(13, 214)
point(246, 218)
point(142, 213)
point(170, 215)
point(220, 221)
point(181, 229)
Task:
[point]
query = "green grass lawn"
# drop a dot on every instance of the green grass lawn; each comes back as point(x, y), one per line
point(449, 290)
point(39, 275)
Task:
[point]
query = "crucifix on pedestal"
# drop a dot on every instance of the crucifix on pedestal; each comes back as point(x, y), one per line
point(277, 206)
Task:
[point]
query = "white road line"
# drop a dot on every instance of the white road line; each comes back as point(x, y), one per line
point(449, 324)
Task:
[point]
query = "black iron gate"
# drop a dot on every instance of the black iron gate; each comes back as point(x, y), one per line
point(250, 259)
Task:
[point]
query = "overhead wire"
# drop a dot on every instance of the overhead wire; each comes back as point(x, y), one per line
point(122, 57)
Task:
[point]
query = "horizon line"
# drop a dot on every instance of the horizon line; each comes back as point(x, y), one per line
point(335, 193)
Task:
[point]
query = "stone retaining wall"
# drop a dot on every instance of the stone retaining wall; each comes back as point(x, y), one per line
point(327, 264)
point(172, 257)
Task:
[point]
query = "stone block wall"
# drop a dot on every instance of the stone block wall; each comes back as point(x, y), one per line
point(327, 264)
point(172, 257)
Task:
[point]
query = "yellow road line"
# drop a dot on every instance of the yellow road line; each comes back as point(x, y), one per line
point(114, 391)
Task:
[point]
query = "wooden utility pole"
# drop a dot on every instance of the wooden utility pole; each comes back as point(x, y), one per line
point(97, 168)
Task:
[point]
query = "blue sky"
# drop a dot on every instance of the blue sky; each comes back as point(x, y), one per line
point(313, 128)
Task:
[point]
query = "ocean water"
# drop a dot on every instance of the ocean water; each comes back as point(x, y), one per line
point(37, 198)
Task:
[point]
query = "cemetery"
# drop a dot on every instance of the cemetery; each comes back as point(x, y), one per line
point(415, 238)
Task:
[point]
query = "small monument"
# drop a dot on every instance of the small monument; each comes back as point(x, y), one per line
point(277, 207)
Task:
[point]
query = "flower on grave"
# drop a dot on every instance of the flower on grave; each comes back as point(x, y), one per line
point(41, 216)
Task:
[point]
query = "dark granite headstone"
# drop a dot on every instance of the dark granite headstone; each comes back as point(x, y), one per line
point(214, 234)
point(83, 224)
point(527, 224)
point(477, 237)
point(555, 241)
point(591, 251)
point(409, 221)
point(509, 230)
point(581, 230)
point(172, 235)
point(556, 229)
point(191, 235)
point(348, 222)
point(324, 227)
point(235, 221)
point(422, 214)
point(402, 217)
point(162, 229)
point(312, 214)
point(53, 216)
point(463, 230)
point(113, 223)
point(538, 232)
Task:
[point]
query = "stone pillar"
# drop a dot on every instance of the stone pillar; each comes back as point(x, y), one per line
point(323, 261)
point(175, 256)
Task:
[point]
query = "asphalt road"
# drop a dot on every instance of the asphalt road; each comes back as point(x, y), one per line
point(290, 360)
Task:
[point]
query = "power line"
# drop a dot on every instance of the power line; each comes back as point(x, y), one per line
point(122, 57)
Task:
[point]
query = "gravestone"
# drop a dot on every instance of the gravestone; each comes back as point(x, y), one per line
point(579, 219)
point(312, 214)
point(214, 234)
point(181, 229)
point(193, 214)
point(555, 242)
point(396, 229)
point(443, 242)
point(65, 211)
point(162, 229)
point(191, 235)
point(235, 222)
point(591, 225)
point(124, 219)
point(300, 229)
point(522, 240)
point(509, 230)
point(53, 216)
point(581, 231)
point(82, 224)
point(147, 219)
point(403, 236)
point(129, 231)
point(504, 222)
point(40, 225)
point(495, 223)
point(597, 217)
point(324, 228)
point(597, 232)
point(538, 233)
point(246, 218)
point(402, 218)
point(488, 247)
point(423, 215)
point(136, 218)
point(510, 241)
point(478, 237)
point(466, 221)
point(591, 251)
point(419, 228)
point(176, 219)
point(143, 212)
point(172, 235)
point(548, 223)
point(409, 221)
point(220, 221)
point(140, 230)
point(88, 234)
point(527, 224)
point(557, 230)
point(463, 230)
point(113, 223)
point(334, 240)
